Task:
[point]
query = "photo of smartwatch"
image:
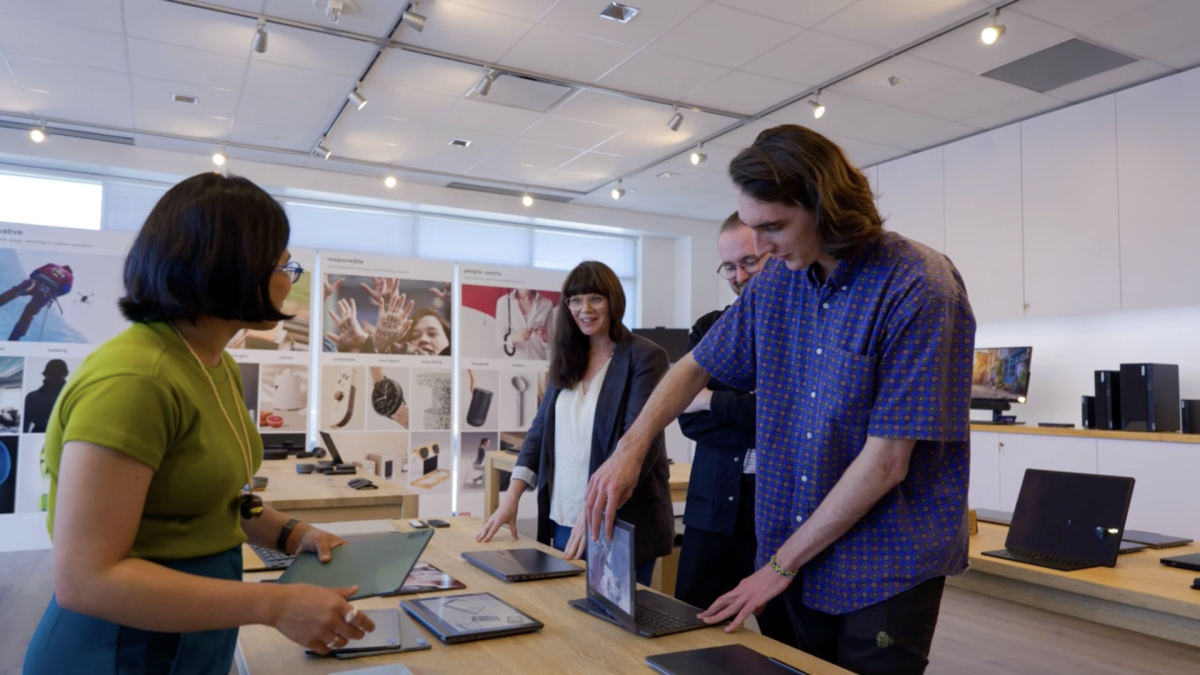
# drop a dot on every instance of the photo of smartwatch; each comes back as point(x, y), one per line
point(387, 397)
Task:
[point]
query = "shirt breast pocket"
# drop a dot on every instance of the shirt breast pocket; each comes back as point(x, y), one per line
point(848, 381)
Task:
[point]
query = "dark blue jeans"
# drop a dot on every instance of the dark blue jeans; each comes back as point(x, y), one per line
point(562, 534)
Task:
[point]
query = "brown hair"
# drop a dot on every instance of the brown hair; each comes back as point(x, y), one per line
point(569, 354)
point(421, 314)
point(733, 222)
point(791, 164)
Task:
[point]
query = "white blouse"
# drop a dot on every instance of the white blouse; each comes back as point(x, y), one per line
point(574, 414)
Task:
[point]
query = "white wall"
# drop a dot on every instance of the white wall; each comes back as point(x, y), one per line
point(657, 281)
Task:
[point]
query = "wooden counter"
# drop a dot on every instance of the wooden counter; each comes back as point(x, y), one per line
point(1139, 594)
point(317, 498)
point(1033, 429)
point(572, 641)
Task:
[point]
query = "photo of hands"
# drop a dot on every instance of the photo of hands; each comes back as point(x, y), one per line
point(342, 404)
point(507, 323)
point(388, 391)
point(283, 397)
point(383, 315)
point(430, 461)
point(477, 404)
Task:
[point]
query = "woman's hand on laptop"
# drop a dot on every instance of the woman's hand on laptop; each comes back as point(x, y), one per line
point(578, 539)
point(505, 514)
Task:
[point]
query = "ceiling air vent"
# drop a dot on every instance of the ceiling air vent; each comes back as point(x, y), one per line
point(516, 91)
point(509, 192)
point(1060, 65)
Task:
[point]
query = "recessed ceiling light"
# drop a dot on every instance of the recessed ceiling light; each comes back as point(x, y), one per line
point(460, 143)
point(891, 81)
point(620, 13)
point(181, 98)
point(668, 175)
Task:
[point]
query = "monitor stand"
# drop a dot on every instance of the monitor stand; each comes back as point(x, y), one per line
point(996, 407)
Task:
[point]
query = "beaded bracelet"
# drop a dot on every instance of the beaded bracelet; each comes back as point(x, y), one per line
point(779, 570)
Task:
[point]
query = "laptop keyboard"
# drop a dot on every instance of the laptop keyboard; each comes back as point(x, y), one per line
point(1045, 560)
point(652, 621)
point(272, 559)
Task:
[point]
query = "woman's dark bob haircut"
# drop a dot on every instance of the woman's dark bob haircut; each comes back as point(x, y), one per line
point(569, 353)
point(209, 247)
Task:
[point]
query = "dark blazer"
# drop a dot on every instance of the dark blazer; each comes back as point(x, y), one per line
point(637, 366)
point(723, 436)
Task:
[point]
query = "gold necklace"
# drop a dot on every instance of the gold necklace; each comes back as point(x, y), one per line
point(250, 504)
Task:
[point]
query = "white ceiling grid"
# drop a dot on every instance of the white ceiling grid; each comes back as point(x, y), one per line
point(116, 63)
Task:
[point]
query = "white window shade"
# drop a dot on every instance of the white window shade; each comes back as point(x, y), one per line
point(34, 200)
point(564, 250)
point(126, 205)
point(467, 241)
point(338, 228)
point(630, 286)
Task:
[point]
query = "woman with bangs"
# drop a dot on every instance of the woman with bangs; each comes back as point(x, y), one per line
point(600, 377)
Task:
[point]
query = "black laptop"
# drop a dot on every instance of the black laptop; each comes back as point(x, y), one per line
point(521, 564)
point(1067, 521)
point(726, 660)
point(611, 591)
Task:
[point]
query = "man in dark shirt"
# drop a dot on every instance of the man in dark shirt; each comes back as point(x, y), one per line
point(40, 402)
point(719, 544)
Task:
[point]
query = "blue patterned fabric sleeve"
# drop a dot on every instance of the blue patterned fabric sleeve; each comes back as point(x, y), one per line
point(727, 350)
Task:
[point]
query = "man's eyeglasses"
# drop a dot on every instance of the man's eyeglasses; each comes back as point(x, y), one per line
point(293, 270)
point(750, 264)
point(576, 302)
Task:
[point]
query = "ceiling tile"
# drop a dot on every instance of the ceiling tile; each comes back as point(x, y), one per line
point(152, 93)
point(962, 48)
point(180, 124)
point(892, 24)
point(195, 148)
point(864, 154)
point(279, 112)
point(182, 64)
point(842, 112)
point(745, 134)
point(1023, 109)
point(489, 117)
point(602, 164)
point(1159, 29)
point(966, 98)
point(661, 75)
point(316, 51)
point(7, 78)
point(466, 31)
point(570, 180)
point(807, 13)
point(424, 73)
point(1110, 81)
point(407, 104)
point(251, 155)
point(427, 159)
point(923, 77)
point(655, 18)
point(102, 15)
point(71, 108)
point(813, 57)
point(609, 109)
point(256, 6)
point(1182, 59)
point(724, 37)
point(907, 130)
point(744, 93)
point(571, 56)
point(13, 100)
point(637, 142)
point(66, 45)
point(569, 133)
point(80, 85)
point(364, 149)
point(508, 172)
point(717, 182)
point(717, 162)
point(1079, 15)
point(437, 138)
point(287, 138)
point(286, 82)
point(384, 131)
point(529, 10)
point(695, 126)
point(189, 27)
point(368, 18)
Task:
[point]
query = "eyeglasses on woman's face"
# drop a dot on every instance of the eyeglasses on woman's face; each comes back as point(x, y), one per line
point(576, 302)
point(292, 269)
point(750, 264)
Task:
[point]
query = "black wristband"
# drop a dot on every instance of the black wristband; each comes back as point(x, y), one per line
point(281, 542)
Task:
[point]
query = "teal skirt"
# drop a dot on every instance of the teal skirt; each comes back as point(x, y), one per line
point(69, 642)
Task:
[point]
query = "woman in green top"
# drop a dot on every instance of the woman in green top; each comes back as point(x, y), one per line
point(149, 448)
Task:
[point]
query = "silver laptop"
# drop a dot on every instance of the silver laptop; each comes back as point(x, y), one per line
point(521, 564)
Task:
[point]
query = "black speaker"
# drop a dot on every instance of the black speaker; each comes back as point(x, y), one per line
point(1189, 416)
point(1108, 399)
point(477, 412)
point(1149, 397)
point(1089, 411)
point(387, 469)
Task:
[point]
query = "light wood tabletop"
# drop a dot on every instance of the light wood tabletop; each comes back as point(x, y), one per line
point(572, 641)
point(1034, 430)
point(317, 498)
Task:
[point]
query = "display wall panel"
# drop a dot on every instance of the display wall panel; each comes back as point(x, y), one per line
point(910, 197)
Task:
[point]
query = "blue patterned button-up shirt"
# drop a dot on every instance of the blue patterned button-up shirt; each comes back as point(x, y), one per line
point(883, 348)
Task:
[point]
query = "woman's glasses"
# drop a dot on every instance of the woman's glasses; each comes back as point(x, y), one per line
point(293, 270)
point(750, 264)
point(576, 302)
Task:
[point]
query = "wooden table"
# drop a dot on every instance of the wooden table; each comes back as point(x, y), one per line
point(317, 498)
point(1139, 594)
point(572, 641)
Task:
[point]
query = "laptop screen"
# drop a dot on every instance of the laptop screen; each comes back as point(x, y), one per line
point(610, 573)
point(1073, 515)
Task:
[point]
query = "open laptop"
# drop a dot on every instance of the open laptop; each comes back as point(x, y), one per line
point(1128, 543)
point(521, 564)
point(1067, 521)
point(611, 591)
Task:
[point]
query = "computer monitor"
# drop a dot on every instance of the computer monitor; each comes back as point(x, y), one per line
point(1000, 377)
point(673, 340)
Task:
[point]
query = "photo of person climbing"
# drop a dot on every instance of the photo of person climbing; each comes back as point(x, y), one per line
point(52, 296)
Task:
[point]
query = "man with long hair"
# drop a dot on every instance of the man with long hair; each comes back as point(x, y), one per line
point(859, 345)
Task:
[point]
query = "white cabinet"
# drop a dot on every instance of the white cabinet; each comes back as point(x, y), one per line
point(1158, 145)
point(983, 221)
point(909, 196)
point(1055, 453)
point(1069, 187)
point(984, 492)
point(1165, 498)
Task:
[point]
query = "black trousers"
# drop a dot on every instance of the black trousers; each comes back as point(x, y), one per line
point(888, 638)
point(711, 565)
